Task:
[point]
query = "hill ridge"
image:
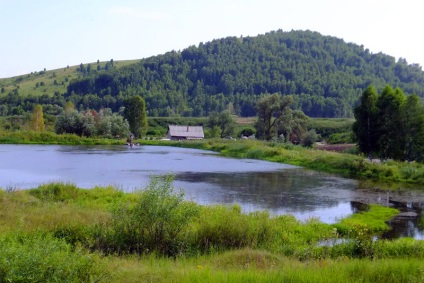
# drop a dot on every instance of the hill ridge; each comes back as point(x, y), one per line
point(324, 73)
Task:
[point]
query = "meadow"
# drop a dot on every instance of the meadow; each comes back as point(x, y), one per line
point(58, 232)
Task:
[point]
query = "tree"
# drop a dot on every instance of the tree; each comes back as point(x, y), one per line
point(365, 127)
point(69, 106)
point(38, 119)
point(272, 110)
point(135, 113)
point(294, 127)
point(413, 113)
point(224, 121)
point(389, 131)
point(309, 138)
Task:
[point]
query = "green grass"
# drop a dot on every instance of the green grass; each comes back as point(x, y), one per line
point(60, 230)
point(248, 265)
point(371, 222)
point(30, 137)
point(26, 84)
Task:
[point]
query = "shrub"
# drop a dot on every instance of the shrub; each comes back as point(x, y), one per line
point(156, 223)
point(42, 258)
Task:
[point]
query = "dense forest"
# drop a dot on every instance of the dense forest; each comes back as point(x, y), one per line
point(325, 75)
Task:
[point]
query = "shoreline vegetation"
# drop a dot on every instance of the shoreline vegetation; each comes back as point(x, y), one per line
point(344, 164)
point(59, 232)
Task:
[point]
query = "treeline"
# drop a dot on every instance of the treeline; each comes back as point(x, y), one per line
point(325, 75)
point(390, 125)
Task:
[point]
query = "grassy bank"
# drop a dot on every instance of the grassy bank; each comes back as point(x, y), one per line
point(29, 137)
point(58, 231)
point(348, 165)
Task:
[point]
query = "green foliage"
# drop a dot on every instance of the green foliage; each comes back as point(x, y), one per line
point(42, 258)
point(135, 113)
point(309, 138)
point(215, 243)
point(38, 118)
point(223, 121)
point(276, 118)
point(365, 126)
point(224, 74)
point(325, 127)
point(390, 125)
point(338, 138)
point(157, 223)
point(90, 123)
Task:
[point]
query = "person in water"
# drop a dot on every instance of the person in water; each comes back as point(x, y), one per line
point(131, 139)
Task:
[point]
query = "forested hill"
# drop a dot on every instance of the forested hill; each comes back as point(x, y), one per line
point(326, 75)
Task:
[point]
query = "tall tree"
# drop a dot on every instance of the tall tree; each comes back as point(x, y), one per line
point(38, 118)
point(224, 121)
point(414, 129)
point(364, 128)
point(272, 111)
point(389, 131)
point(135, 113)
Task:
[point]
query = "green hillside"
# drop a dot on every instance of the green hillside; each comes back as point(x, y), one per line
point(27, 84)
point(325, 74)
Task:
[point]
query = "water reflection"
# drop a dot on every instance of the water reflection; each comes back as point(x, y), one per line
point(303, 193)
point(210, 179)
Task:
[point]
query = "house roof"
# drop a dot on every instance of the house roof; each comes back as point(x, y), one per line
point(186, 131)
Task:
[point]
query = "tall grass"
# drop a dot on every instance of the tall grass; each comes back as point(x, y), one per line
point(248, 265)
point(140, 231)
point(42, 258)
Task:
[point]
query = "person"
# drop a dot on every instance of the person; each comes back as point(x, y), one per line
point(131, 139)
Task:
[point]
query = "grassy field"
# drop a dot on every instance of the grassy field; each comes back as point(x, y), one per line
point(58, 232)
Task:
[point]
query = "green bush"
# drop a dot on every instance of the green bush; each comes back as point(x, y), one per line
point(42, 258)
point(157, 223)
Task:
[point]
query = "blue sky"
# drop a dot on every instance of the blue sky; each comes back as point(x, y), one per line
point(52, 34)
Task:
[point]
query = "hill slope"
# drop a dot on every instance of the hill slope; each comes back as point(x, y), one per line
point(326, 75)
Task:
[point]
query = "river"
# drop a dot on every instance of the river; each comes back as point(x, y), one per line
point(207, 178)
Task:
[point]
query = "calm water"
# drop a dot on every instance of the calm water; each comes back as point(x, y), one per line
point(207, 178)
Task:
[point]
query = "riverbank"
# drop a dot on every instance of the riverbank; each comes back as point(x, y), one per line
point(347, 165)
point(61, 231)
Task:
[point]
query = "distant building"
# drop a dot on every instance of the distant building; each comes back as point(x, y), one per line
point(185, 132)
